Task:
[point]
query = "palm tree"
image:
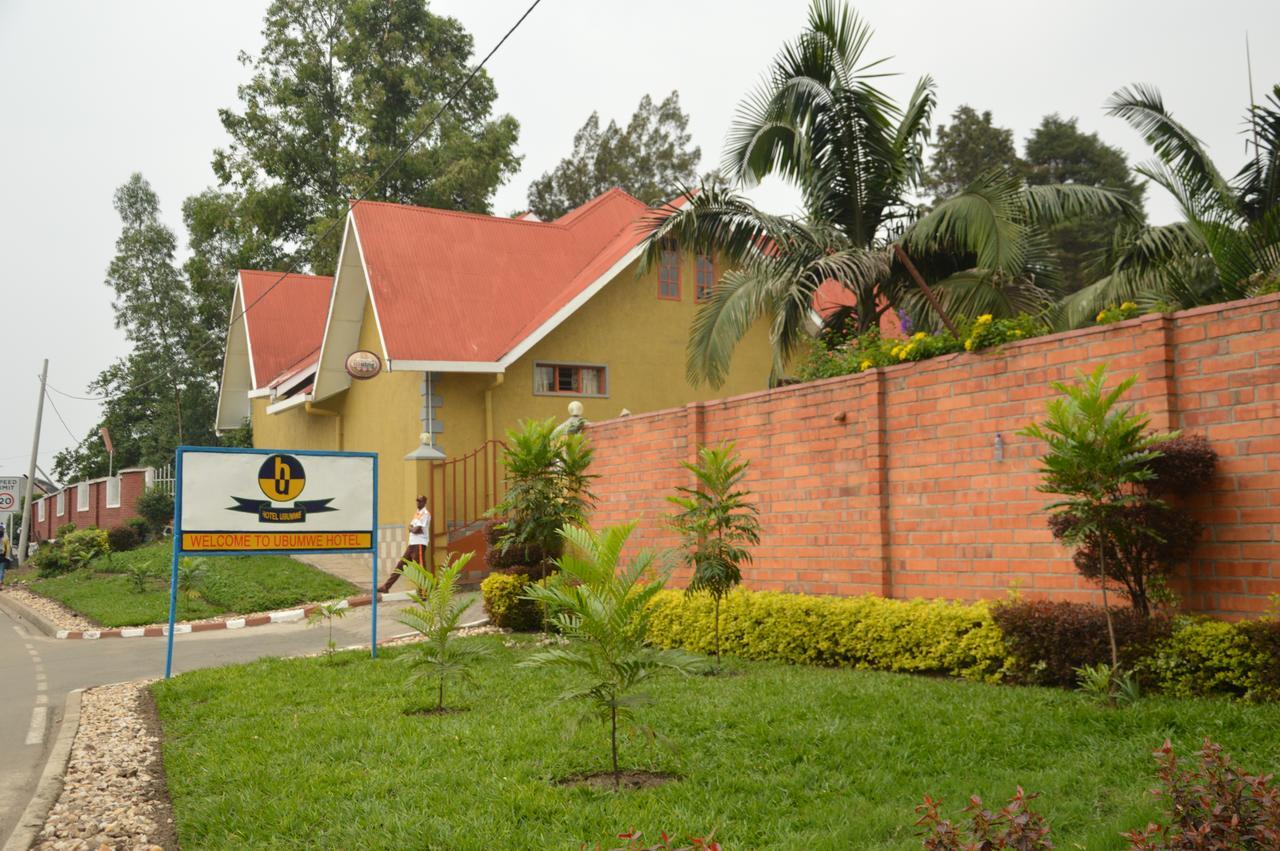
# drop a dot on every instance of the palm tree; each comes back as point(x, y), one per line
point(818, 121)
point(1228, 244)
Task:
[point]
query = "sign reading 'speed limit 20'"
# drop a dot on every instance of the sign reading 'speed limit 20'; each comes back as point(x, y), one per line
point(254, 500)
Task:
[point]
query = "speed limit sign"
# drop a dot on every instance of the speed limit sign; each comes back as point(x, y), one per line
point(9, 494)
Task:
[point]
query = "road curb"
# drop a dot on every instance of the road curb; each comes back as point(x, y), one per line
point(50, 785)
point(18, 610)
point(41, 623)
point(285, 616)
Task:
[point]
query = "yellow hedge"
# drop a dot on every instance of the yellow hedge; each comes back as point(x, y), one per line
point(917, 636)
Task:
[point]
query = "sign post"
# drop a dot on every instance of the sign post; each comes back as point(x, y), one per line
point(241, 501)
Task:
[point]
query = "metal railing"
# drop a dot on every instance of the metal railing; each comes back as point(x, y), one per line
point(464, 489)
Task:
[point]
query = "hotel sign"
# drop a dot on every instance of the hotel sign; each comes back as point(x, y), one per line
point(252, 500)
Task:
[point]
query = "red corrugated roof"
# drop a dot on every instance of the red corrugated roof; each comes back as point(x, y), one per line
point(287, 325)
point(452, 286)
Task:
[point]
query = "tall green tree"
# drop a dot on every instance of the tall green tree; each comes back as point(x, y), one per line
point(818, 121)
point(160, 394)
point(338, 89)
point(649, 158)
point(1059, 152)
point(1227, 245)
point(963, 151)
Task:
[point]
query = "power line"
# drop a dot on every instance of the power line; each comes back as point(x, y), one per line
point(61, 420)
point(78, 398)
point(293, 262)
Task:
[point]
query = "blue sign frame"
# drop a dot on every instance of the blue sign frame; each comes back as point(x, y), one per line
point(178, 551)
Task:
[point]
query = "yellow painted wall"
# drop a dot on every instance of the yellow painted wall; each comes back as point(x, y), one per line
point(640, 338)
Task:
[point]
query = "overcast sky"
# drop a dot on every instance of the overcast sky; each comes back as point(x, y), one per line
point(95, 90)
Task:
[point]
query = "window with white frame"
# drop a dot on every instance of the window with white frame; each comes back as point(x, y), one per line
point(113, 492)
point(82, 496)
point(558, 379)
point(40, 509)
point(62, 502)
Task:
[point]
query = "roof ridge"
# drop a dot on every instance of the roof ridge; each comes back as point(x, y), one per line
point(462, 214)
point(583, 210)
point(328, 278)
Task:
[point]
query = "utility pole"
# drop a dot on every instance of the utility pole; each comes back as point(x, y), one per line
point(28, 516)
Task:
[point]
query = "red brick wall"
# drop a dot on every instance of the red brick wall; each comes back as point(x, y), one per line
point(891, 482)
point(132, 484)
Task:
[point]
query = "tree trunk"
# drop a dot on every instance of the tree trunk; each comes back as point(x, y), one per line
point(613, 739)
point(717, 633)
point(440, 702)
point(1106, 608)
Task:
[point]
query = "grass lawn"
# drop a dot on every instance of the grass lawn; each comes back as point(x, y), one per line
point(308, 754)
point(240, 584)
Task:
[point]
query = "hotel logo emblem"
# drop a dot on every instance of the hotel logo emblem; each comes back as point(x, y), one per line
point(281, 478)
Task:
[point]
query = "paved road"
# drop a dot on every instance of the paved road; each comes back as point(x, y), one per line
point(37, 672)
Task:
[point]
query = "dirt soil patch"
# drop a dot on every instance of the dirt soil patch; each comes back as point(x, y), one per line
point(606, 780)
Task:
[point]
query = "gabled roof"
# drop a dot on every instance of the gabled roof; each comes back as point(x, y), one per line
point(285, 322)
point(276, 326)
point(454, 287)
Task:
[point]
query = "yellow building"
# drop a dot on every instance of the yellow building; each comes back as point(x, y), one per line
point(449, 328)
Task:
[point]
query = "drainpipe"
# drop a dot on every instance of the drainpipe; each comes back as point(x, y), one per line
point(488, 405)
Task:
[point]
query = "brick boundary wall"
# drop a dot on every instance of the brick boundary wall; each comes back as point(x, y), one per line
point(133, 481)
point(911, 480)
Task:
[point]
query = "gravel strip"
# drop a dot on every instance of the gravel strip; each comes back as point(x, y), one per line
point(56, 613)
point(113, 796)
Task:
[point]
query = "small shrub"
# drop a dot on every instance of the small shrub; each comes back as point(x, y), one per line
point(191, 575)
point(64, 529)
point(1183, 467)
point(325, 613)
point(84, 545)
point(141, 528)
point(909, 636)
point(1118, 313)
point(504, 602)
point(986, 332)
point(636, 842)
point(122, 539)
point(602, 605)
point(1108, 686)
point(51, 559)
point(156, 507)
point(139, 577)
point(1015, 825)
point(1048, 641)
point(434, 611)
point(1207, 657)
point(1211, 805)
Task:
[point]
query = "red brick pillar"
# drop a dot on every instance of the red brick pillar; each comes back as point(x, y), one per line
point(1158, 372)
point(878, 479)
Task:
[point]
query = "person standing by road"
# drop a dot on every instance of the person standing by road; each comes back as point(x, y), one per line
point(419, 538)
point(4, 551)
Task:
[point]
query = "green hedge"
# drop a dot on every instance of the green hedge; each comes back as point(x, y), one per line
point(1199, 657)
point(915, 636)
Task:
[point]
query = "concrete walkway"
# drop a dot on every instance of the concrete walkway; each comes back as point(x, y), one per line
point(356, 569)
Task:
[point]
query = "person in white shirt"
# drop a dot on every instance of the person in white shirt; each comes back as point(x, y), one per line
point(419, 538)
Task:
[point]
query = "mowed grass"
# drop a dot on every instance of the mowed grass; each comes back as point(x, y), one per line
point(105, 593)
point(308, 754)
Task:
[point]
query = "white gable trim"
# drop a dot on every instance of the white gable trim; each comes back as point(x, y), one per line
point(569, 309)
point(229, 402)
point(332, 378)
point(286, 404)
point(258, 394)
point(368, 282)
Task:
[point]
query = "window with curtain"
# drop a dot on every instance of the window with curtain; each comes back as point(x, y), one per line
point(669, 271)
point(40, 505)
point(113, 492)
point(556, 379)
point(82, 497)
point(704, 279)
point(62, 503)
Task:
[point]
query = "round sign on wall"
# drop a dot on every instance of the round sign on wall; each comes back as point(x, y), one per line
point(363, 364)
